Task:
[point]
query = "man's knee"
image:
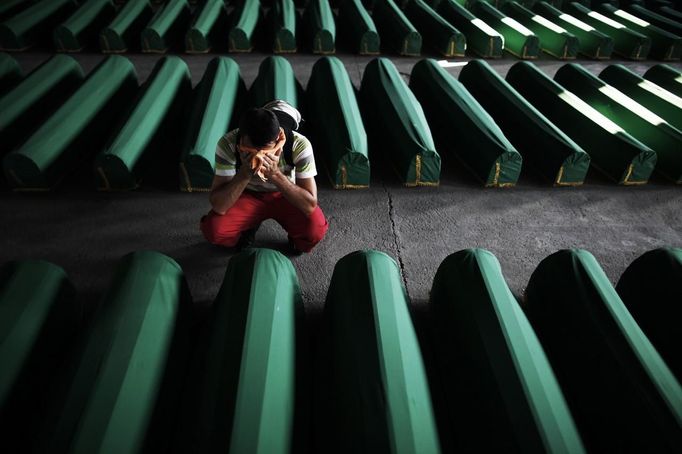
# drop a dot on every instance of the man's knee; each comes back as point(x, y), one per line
point(211, 228)
point(314, 232)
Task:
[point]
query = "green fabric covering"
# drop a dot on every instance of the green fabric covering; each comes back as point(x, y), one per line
point(81, 29)
point(133, 145)
point(275, 80)
point(336, 125)
point(554, 39)
point(638, 121)
point(438, 33)
point(487, 348)
point(613, 151)
point(216, 100)
point(396, 31)
point(650, 288)
point(377, 398)
point(166, 27)
point(407, 144)
point(34, 24)
point(242, 396)
point(664, 45)
point(646, 93)
point(622, 395)
point(75, 129)
point(663, 22)
point(480, 37)
point(9, 8)
point(207, 27)
point(243, 26)
point(518, 40)
point(10, 73)
point(665, 77)
point(282, 26)
point(123, 33)
point(120, 392)
point(626, 42)
point(29, 104)
point(357, 28)
point(319, 27)
point(460, 124)
point(591, 42)
point(670, 13)
point(543, 146)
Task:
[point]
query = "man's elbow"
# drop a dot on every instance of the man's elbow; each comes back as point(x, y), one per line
point(311, 207)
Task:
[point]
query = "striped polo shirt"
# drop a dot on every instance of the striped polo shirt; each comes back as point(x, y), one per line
point(302, 156)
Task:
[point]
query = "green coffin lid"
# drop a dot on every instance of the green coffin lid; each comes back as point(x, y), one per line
point(242, 398)
point(377, 398)
point(554, 39)
point(81, 29)
point(243, 26)
point(275, 80)
point(166, 27)
point(39, 94)
point(336, 125)
point(670, 25)
point(650, 289)
point(518, 40)
point(480, 37)
point(670, 13)
point(216, 99)
point(396, 31)
point(408, 142)
point(460, 124)
point(543, 146)
point(438, 33)
point(357, 28)
point(133, 145)
point(319, 27)
point(646, 93)
point(666, 77)
point(282, 23)
point(637, 120)
point(73, 132)
point(487, 348)
point(34, 24)
point(123, 33)
point(10, 73)
point(10, 8)
point(622, 395)
point(612, 150)
point(208, 27)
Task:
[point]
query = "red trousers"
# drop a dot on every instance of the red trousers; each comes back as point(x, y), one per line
point(252, 208)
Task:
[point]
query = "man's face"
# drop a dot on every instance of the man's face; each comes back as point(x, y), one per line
point(246, 146)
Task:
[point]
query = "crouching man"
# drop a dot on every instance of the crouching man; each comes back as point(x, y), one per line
point(265, 170)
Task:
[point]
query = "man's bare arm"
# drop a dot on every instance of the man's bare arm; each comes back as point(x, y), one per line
point(302, 195)
point(225, 191)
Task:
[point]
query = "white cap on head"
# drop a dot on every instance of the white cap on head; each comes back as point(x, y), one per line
point(285, 107)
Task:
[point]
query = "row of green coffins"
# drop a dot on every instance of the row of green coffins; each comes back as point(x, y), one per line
point(576, 365)
point(445, 26)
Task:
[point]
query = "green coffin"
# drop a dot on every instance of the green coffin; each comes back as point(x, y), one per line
point(319, 27)
point(665, 77)
point(487, 349)
point(554, 39)
point(242, 397)
point(10, 73)
point(9, 8)
point(336, 125)
point(664, 45)
point(74, 131)
point(622, 395)
point(242, 29)
point(612, 150)
point(543, 146)
point(123, 33)
point(357, 28)
point(480, 37)
point(663, 22)
point(460, 123)
point(135, 145)
point(120, 392)
point(637, 120)
point(591, 42)
point(166, 27)
point(377, 397)
point(396, 31)
point(518, 40)
point(407, 143)
point(646, 93)
point(282, 23)
point(670, 13)
point(38, 95)
point(626, 42)
point(208, 27)
point(216, 99)
point(80, 30)
point(650, 289)
point(34, 24)
point(275, 80)
point(438, 34)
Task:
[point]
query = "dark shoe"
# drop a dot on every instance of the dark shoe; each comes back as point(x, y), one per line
point(292, 249)
point(247, 240)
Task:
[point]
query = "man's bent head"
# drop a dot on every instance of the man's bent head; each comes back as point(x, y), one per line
point(259, 128)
